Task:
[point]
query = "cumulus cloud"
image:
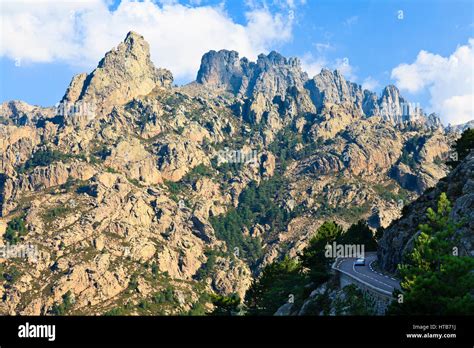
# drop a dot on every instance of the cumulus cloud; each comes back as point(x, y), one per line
point(449, 81)
point(346, 69)
point(79, 32)
point(313, 65)
point(370, 83)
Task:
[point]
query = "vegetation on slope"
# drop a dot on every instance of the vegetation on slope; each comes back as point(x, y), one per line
point(463, 146)
point(16, 228)
point(435, 279)
point(45, 157)
point(258, 204)
point(294, 279)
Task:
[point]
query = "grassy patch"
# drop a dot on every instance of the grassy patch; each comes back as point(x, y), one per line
point(134, 182)
point(52, 214)
point(111, 170)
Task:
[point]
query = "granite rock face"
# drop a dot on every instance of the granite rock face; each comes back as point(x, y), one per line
point(270, 75)
point(123, 74)
point(398, 239)
point(222, 70)
point(122, 202)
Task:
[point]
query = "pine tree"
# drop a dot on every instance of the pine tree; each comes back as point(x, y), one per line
point(313, 256)
point(225, 305)
point(435, 280)
point(279, 282)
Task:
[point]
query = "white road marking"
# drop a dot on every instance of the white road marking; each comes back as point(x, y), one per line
point(365, 275)
point(372, 269)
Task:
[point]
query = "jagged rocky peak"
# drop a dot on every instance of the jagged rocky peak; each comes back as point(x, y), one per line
point(275, 59)
point(329, 87)
point(124, 73)
point(393, 107)
point(391, 101)
point(23, 114)
point(460, 127)
point(275, 75)
point(271, 74)
point(221, 69)
point(434, 121)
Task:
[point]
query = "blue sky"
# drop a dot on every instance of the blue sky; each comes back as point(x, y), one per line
point(370, 41)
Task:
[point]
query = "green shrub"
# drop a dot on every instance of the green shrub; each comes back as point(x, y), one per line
point(55, 213)
point(154, 269)
point(175, 188)
point(225, 305)
point(70, 182)
point(227, 170)
point(165, 296)
point(133, 283)
point(118, 311)
point(410, 149)
point(12, 275)
point(43, 158)
point(64, 306)
point(16, 228)
point(134, 182)
point(198, 309)
point(200, 170)
point(207, 268)
point(359, 233)
point(111, 170)
point(354, 302)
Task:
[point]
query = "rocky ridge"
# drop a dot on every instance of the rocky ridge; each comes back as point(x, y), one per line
point(121, 201)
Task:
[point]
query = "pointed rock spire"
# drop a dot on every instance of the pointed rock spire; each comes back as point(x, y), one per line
point(123, 74)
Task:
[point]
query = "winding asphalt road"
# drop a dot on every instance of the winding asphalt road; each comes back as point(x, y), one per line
point(367, 273)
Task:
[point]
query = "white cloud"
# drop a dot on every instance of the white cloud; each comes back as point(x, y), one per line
point(80, 32)
point(370, 83)
point(346, 69)
point(313, 65)
point(294, 3)
point(349, 22)
point(322, 47)
point(449, 80)
point(283, 4)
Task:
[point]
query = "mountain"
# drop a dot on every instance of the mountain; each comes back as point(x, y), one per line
point(123, 74)
point(462, 127)
point(399, 237)
point(142, 197)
